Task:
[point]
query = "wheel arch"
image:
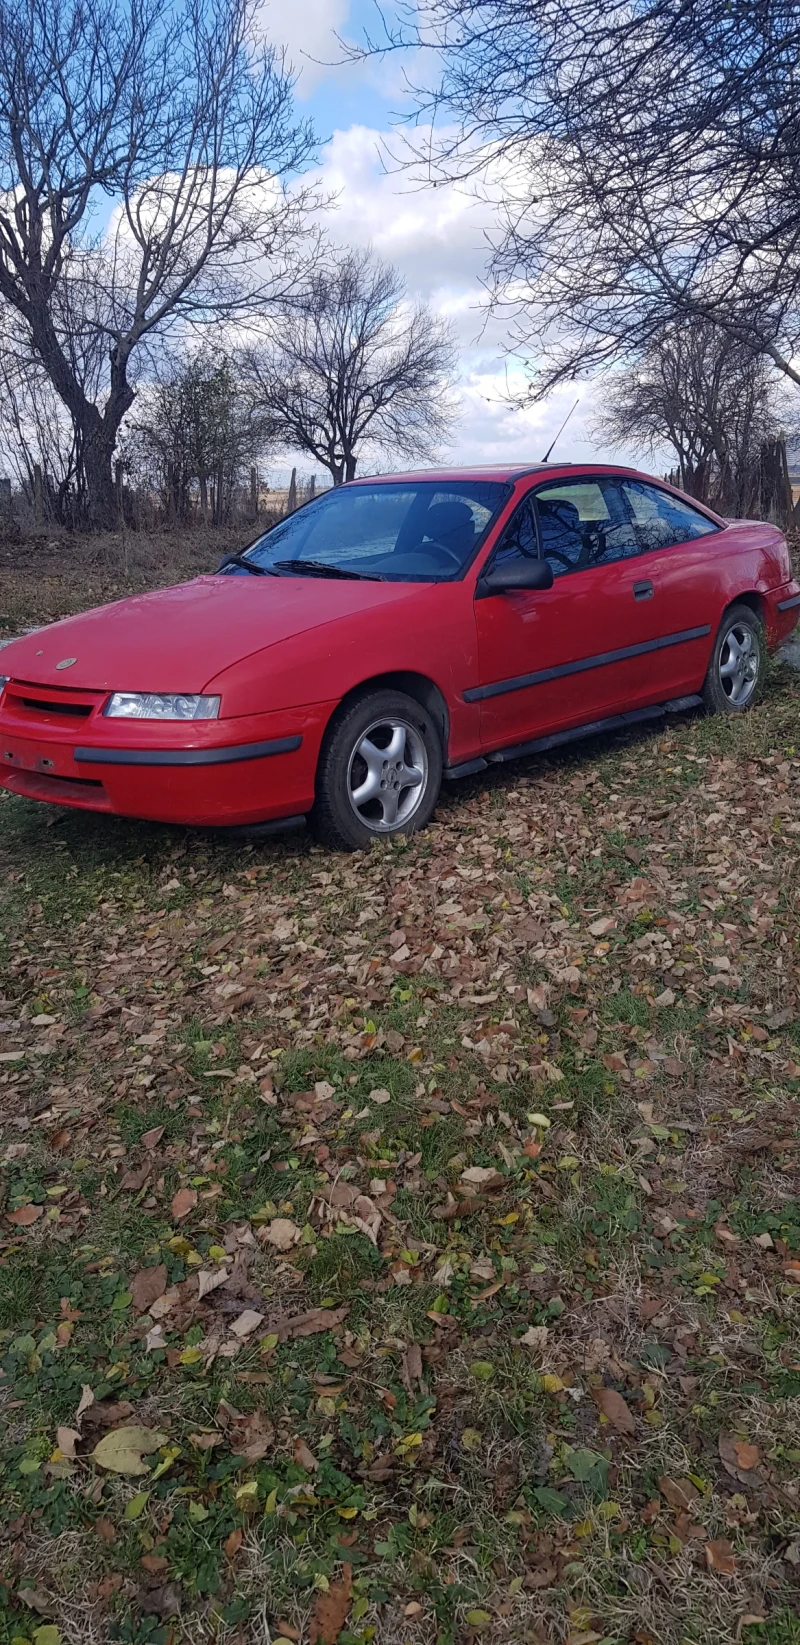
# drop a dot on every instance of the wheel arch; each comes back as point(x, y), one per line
point(419, 686)
point(752, 598)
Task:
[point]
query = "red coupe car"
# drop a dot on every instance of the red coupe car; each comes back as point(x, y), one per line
point(391, 633)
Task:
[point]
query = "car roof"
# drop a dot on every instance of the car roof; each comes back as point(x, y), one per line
point(500, 471)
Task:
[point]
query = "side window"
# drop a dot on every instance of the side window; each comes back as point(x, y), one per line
point(584, 523)
point(518, 541)
point(661, 520)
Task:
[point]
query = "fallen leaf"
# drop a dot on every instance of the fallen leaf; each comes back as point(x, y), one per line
point(35, 1600)
point(316, 1319)
point(151, 1139)
point(49, 1635)
point(283, 1233)
point(679, 1493)
point(25, 1216)
point(748, 1456)
point(86, 1399)
point(731, 1451)
point(156, 1564)
point(615, 1409)
point(721, 1557)
point(380, 1096)
point(209, 1279)
point(233, 1542)
point(598, 928)
point(303, 1456)
point(121, 1451)
point(147, 1285)
point(105, 1530)
point(246, 1322)
point(535, 1337)
point(183, 1202)
point(66, 1440)
point(332, 1610)
point(482, 1175)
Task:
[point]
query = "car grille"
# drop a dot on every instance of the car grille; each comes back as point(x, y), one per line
point(49, 705)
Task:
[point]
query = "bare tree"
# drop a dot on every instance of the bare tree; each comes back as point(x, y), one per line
point(353, 364)
point(178, 121)
point(195, 435)
point(648, 152)
point(708, 398)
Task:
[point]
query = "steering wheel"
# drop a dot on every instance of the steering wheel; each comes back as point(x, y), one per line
point(433, 548)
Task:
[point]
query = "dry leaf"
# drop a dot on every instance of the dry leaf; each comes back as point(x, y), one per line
point(303, 1456)
point(332, 1610)
point(535, 1337)
point(233, 1542)
point(147, 1285)
point(151, 1139)
point(209, 1279)
point(25, 1216)
point(86, 1399)
point(183, 1202)
point(721, 1557)
point(121, 1451)
point(316, 1319)
point(748, 1456)
point(246, 1322)
point(482, 1175)
point(66, 1440)
point(679, 1493)
point(380, 1096)
point(105, 1530)
point(283, 1233)
point(615, 1409)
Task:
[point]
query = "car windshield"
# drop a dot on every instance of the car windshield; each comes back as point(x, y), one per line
point(417, 531)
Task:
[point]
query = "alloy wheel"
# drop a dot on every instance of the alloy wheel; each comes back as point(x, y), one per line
point(739, 661)
point(387, 775)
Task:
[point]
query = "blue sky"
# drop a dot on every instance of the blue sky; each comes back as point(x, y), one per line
point(435, 237)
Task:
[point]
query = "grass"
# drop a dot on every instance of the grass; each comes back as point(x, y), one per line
point(215, 1065)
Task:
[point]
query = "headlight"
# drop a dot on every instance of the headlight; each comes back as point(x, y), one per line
point(134, 705)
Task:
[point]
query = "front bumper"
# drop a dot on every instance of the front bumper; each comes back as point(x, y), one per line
point(56, 746)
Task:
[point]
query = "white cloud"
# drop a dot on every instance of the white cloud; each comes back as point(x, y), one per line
point(437, 238)
point(308, 30)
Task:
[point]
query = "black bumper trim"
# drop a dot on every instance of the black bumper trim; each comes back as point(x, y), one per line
point(786, 605)
point(186, 756)
point(499, 688)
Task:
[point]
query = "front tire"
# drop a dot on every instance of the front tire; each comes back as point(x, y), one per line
point(379, 773)
point(738, 661)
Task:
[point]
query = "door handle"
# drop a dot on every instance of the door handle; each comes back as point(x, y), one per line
point(643, 591)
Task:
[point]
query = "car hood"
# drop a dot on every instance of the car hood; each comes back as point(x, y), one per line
point(178, 639)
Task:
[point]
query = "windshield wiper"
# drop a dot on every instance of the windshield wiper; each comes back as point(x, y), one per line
point(249, 565)
point(318, 568)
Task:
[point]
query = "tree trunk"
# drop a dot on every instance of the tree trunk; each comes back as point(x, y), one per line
point(350, 465)
point(101, 492)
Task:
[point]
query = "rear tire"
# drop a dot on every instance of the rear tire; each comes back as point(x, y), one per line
point(379, 772)
point(738, 662)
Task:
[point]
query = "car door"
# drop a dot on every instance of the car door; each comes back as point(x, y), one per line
point(569, 655)
point(678, 561)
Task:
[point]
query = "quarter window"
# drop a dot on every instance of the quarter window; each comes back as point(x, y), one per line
point(661, 520)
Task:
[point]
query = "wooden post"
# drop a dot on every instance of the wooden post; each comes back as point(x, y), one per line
point(291, 502)
point(218, 499)
point(38, 494)
point(254, 493)
point(312, 487)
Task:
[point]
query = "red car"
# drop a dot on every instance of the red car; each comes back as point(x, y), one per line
point(391, 633)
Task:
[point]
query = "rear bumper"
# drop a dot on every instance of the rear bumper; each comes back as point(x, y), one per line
point(782, 613)
point(256, 769)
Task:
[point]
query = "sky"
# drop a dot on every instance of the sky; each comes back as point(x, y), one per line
point(435, 237)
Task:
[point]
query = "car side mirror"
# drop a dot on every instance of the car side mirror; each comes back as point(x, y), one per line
point(519, 574)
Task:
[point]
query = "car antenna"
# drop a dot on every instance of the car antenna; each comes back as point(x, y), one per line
point(561, 430)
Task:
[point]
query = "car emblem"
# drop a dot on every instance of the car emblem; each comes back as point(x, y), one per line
point(66, 662)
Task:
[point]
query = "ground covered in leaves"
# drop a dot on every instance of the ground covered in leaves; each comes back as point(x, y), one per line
point(407, 1247)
